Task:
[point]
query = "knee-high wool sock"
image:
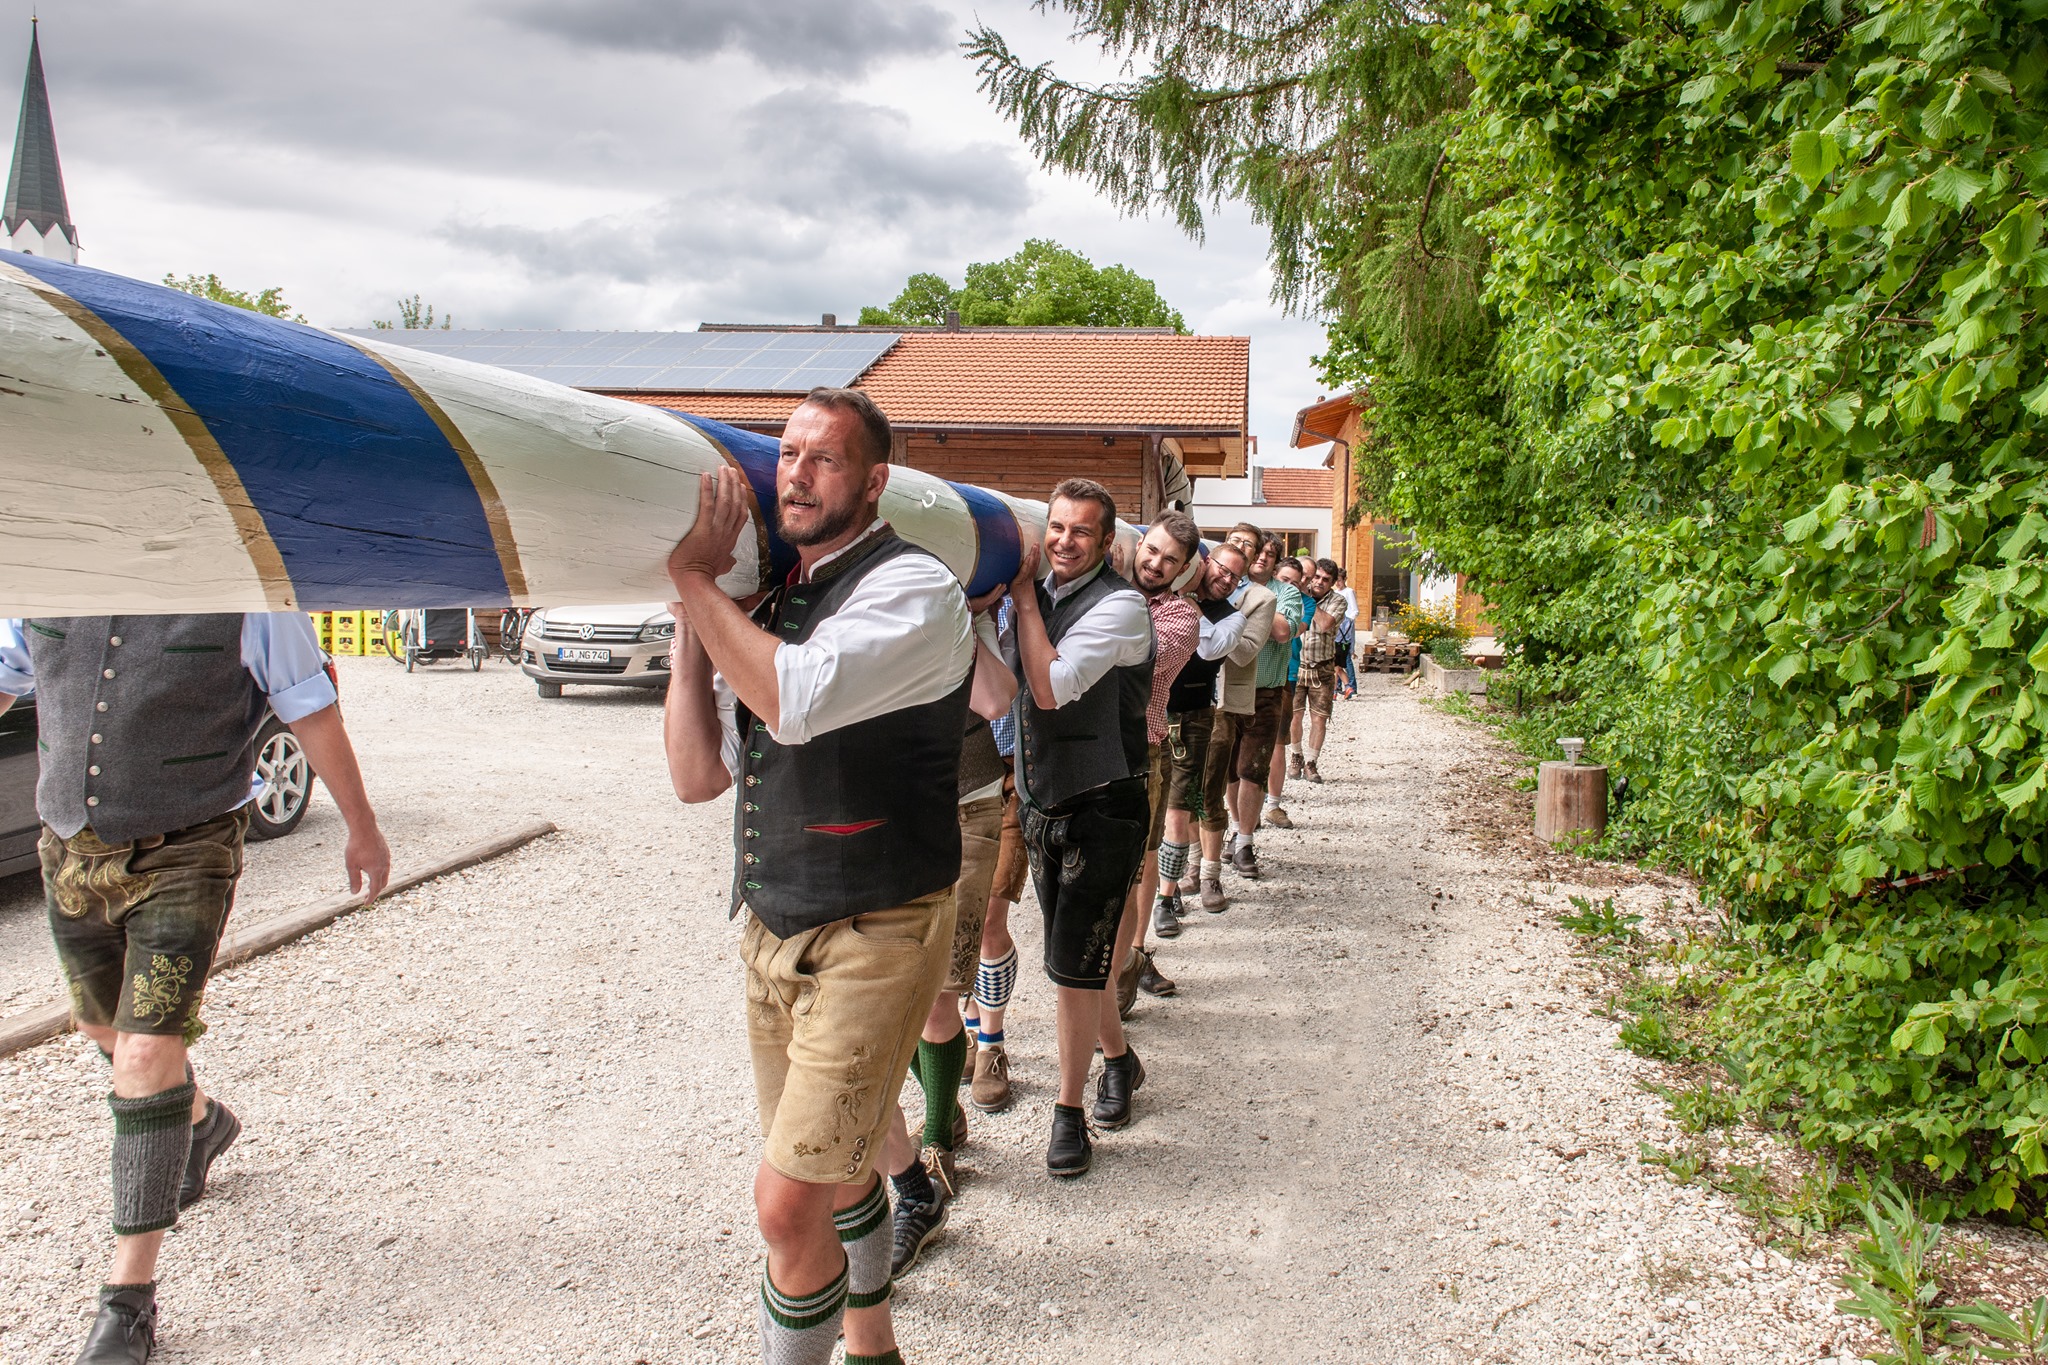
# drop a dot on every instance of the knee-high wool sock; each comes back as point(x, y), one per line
point(1173, 863)
point(938, 1071)
point(864, 1233)
point(152, 1142)
point(994, 980)
point(801, 1329)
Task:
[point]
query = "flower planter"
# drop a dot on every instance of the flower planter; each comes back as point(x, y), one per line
point(1443, 681)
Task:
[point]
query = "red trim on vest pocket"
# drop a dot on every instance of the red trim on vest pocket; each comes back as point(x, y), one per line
point(843, 829)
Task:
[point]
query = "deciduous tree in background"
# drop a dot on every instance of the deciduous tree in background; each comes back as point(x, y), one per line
point(1709, 338)
point(1043, 285)
point(270, 302)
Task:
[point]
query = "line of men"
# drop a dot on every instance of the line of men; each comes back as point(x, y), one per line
point(863, 709)
point(897, 762)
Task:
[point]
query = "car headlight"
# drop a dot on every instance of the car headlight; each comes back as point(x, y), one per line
point(665, 630)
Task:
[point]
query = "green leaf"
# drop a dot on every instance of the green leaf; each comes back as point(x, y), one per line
point(1813, 155)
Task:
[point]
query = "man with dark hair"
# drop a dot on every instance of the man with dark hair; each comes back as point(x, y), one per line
point(1195, 787)
point(1258, 736)
point(1163, 556)
point(839, 708)
point(147, 727)
point(874, 435)
point(1318, 684)
point(1287, 748)
point(1235, 704)
point(1081, 643)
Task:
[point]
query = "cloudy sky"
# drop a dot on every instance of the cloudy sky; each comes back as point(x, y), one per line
point(590, 163)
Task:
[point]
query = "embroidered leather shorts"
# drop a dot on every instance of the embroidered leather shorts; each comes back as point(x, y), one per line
point(1085, 857)
point(833, 1016)
point(137, 924)
point(981, 829)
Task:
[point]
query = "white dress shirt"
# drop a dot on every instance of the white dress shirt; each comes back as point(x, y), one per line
point(1220, 637)
point(903, 637)
point(1115, 632)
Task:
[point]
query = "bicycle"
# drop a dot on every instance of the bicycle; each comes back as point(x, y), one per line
point(511, 630)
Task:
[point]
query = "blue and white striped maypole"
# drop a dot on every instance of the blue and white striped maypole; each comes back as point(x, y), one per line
point(165, 453)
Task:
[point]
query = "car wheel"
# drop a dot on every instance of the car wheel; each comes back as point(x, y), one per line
point(550, 690)
point(287, 780)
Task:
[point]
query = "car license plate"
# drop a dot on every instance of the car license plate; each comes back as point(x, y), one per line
point(583, 656)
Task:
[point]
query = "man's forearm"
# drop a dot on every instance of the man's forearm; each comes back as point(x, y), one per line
point(692, 737)
point(1035, 651)
point(333, 757)
point(741, 651)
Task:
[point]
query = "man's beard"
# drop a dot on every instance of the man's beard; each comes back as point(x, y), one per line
point(831, 524)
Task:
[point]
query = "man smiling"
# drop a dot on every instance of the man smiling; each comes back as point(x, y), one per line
point(839, 707)
point(1081, 642)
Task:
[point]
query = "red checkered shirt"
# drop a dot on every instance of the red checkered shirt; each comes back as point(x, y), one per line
point(1176, 627)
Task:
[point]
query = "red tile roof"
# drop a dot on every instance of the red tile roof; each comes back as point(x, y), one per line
point(1025, 379)
point(1296, 487)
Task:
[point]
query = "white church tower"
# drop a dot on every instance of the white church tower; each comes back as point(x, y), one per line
point(36, 219)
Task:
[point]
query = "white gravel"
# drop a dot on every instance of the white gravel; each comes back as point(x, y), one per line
point(509, 1114)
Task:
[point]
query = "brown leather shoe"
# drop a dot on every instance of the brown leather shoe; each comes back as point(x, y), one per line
point(1213, 899)
point(1294, 765)
point(991, 1090)
point(1278, 818)
point(1127, 984)
point(1308, 770)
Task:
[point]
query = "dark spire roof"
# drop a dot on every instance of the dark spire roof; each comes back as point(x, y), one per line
point(35, 187)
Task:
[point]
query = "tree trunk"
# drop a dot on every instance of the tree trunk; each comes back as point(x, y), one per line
point(1571, 801)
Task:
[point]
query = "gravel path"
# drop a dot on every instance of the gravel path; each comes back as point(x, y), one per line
point(510, 1114)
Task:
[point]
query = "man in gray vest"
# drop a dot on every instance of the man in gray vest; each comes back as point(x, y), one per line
point(1081, 642)
point(147, 726)
point(838, 706)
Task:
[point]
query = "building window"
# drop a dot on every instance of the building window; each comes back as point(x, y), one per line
point(1393, 586)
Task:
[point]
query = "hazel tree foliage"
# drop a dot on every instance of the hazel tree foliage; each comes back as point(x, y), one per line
point(1708, 335)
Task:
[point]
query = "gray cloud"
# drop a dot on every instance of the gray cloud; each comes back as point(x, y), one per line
point(813, 189)
point(825, 36)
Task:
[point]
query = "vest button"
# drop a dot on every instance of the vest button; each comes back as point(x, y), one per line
point(99, 706)
point(753, 781)
point(95, 739)
point(751, 834)
point(115, 641)
point(106, 673)
point(92, 800)
point(94, 770)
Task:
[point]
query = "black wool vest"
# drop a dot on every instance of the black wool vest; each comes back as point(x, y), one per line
point(1195, 688)
point(147, 724)
point(861, 818)
point(1097, 738)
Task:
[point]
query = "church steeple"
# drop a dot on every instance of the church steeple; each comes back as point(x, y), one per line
point(36, 218)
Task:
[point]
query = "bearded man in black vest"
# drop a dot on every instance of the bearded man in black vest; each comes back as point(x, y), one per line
point(838, 706)
point(1081, 642)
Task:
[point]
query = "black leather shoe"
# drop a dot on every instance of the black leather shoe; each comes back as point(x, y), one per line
point(1166, 917)
point(125, 1331)
point(1152, 981)
point(210, 1137)
point(1069, 1153)
point(1120, 1076)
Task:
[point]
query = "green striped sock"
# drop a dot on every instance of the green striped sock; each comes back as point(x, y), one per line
point(865, 1234)
point(801, 1329)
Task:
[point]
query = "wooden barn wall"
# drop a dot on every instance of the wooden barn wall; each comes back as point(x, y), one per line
point(1028, 466)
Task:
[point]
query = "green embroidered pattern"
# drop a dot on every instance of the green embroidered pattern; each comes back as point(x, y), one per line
point(157, 995)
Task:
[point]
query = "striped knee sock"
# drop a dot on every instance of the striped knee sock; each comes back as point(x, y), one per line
point(801, 1329)
point(864, 1233)
point(994, 981)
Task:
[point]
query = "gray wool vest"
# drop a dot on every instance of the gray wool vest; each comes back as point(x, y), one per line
point(1097, 738)
point(147, 724)
point(861, 818)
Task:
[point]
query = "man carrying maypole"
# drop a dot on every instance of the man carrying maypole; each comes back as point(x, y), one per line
point(838, 708)
point(1081, 642)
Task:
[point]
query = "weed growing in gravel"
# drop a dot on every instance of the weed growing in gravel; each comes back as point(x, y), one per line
point(1698, 1108)
point(1602, 924)
point(1894, 1281)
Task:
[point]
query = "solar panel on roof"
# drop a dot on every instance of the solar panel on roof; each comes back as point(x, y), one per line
point(732, 362)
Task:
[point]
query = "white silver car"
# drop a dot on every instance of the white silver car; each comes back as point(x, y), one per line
point(618, 646)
